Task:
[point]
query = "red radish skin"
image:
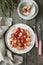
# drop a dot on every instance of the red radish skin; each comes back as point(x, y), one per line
point(20, 38)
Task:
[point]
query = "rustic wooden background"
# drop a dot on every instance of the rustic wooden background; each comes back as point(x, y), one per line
point(32, 57)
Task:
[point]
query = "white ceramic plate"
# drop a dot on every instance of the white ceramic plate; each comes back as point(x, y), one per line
point(34, 10)
point(27, 49)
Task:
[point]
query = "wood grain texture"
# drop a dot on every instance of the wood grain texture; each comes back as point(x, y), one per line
point(32, 57)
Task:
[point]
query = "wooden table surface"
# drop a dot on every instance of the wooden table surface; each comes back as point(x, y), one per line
point(32, 57)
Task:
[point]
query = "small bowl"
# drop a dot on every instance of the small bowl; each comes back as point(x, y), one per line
point(32, 14)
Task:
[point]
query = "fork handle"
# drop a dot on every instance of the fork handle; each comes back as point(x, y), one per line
point(36, 41)
point(40, 48)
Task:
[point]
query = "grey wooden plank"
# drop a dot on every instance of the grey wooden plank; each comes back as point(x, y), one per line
point(39, 19)
point(15, 16)
point(32, 58)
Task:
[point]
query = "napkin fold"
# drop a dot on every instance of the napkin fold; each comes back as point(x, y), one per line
point(5, 22)
point(6, 56)
point(14, 58)
point(1, 57)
